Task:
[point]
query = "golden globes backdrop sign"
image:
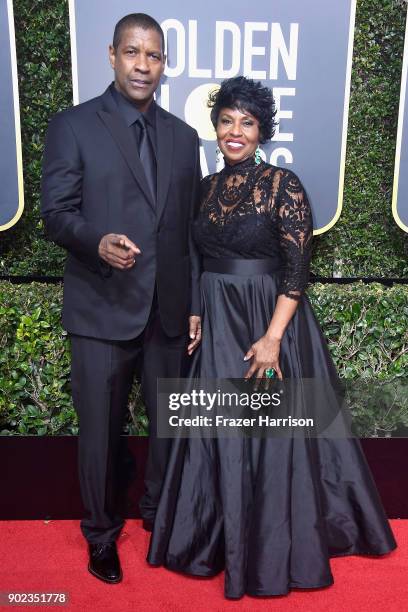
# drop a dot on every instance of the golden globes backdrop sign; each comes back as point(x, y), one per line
point(302, 50)
point(400, 188)
point(11, 173)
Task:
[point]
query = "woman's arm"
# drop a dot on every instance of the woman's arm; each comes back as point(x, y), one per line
point(295, 231)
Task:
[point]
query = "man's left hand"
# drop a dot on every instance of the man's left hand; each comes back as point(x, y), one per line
point(194, 333)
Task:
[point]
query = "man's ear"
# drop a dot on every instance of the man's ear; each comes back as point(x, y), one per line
point(112, 56)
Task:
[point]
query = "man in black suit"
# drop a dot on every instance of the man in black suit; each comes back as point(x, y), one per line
point(120, 186)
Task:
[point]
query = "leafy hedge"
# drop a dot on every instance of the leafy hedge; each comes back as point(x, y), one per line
point(365, 241)
point(35, 395)
point(366, 327)
point(44, 71)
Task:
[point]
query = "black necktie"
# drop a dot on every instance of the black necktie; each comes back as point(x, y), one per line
point(147, 156)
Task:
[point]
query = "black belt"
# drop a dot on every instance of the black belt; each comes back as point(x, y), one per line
point(242, 267)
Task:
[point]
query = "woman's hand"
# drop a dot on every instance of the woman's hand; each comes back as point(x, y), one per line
point(265, 354)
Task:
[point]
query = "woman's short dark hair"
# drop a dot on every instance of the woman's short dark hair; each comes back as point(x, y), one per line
point(245, 95)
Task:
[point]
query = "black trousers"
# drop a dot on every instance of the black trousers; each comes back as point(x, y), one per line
point(102, 372)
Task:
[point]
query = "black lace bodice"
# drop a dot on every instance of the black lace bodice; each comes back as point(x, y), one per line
point(256, 211)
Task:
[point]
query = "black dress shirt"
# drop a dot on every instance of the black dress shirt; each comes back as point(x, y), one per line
point(131, 114)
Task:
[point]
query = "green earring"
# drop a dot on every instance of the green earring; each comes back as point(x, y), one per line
point(258, 157)
point(217, 155)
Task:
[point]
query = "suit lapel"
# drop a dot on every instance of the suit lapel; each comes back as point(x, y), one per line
point(122, 136)
point(165, 144)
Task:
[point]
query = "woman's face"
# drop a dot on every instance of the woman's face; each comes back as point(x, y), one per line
point(237, 134)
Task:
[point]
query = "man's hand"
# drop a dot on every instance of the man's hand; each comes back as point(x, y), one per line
point(118, 251)
point(194, 333)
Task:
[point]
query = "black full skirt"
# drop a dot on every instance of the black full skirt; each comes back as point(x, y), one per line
point(270, 511)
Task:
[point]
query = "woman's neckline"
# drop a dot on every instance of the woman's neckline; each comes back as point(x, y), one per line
point(242, 166)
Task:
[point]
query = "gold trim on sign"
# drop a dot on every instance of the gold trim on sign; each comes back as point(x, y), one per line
point(347, 86)
point(17, 127)
point(397, 162)
point(74, 56)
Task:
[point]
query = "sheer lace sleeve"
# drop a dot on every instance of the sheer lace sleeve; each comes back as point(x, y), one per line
point(295, 231)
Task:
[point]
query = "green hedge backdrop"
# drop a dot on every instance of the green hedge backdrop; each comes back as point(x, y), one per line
point(366, 325)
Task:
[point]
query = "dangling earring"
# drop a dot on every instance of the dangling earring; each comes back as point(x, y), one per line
point(217, 155)
point(258, 157)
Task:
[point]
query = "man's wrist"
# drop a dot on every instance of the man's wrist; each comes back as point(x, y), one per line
point(104, 267)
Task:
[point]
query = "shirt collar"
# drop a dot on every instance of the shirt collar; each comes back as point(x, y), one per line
point(129, 111)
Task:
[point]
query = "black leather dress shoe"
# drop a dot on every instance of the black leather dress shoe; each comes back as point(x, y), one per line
point(104, 562)
point(148, 525)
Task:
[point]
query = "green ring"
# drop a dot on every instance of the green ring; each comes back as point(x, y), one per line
point(270, 373)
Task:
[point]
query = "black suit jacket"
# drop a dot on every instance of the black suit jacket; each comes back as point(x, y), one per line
point(93, 184)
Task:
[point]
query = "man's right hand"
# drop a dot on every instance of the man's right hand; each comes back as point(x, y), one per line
point(118, 251)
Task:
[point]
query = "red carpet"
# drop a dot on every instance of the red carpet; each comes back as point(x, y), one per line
point(52, 557)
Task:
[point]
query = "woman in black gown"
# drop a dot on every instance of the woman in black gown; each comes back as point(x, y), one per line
point(270, 511)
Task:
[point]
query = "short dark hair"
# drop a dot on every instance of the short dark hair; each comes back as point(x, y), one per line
point(245, 95)
point(133, 20)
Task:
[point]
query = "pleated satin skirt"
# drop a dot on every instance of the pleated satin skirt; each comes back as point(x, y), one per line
point(269, 511)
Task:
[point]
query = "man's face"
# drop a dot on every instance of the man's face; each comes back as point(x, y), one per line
point(138, 63)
